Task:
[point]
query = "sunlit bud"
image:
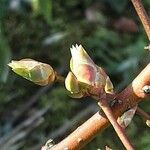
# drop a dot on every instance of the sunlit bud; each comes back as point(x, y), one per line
point(37, 72)
point(148, 123)
point(71, 83)
point(87, 72)
point(109, 86)
point(82, 65)
point(77, 89)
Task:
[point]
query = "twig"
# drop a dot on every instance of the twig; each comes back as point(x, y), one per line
point(130, 96)
point(142, 113)
point(107, 110)
point(119, 130)
point(59, 78)
point(143, 16)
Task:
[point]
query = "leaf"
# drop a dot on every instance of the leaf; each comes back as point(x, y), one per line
point(43, 7)
point(5, 56)
point(3, 8)
point(72, 83)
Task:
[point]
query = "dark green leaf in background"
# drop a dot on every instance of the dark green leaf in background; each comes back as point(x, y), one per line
point(43, 7)
point(4, 56)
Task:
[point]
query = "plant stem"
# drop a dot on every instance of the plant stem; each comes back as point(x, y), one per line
point(142, 113)
point(142, 15)
point(59, 78)
point(130, 96)
point(119, 130)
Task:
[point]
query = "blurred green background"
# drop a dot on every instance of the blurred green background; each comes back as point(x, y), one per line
point(44, 30)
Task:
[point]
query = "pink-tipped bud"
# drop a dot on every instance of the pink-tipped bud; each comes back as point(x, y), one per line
point(82, 65)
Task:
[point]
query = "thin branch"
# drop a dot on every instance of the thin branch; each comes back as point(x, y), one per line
point(130, 96)
point(119, 130)
point(142, 15)
point(142, 113)
point(107, 110)
point(59, 78)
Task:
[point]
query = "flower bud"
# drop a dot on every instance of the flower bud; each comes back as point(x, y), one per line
point(87, 72)
point(76, 89)
point(82, 65)
point(71, 83)
point(37, 72)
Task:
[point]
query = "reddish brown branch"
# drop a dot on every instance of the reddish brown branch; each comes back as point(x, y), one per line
point(129, 97)
point(142, 113)
point(143, 16)
point(119, 130)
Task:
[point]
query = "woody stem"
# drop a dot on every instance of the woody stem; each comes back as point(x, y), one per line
point(59, 78)
point(142, 15)
point(142, 113)
point(119, 130)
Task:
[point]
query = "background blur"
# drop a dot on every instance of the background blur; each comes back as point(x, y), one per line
point(44, 30)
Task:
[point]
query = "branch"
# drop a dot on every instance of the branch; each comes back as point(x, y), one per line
point(143, 16)
point(119, 130)
point(130, 96)
point(142, 113)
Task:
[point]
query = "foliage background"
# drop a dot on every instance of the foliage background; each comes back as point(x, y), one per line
point(44, 30)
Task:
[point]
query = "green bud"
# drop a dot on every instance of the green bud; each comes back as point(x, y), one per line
point(71, 83)
point(37, 72)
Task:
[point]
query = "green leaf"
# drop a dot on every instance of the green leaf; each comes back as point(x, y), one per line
point(43, 7)
point(5, 56)
point(3, 8)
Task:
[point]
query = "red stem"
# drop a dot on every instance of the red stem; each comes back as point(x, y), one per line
point(130, 96)
point(143, 16)
point(120, 132)
point(142, 113)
